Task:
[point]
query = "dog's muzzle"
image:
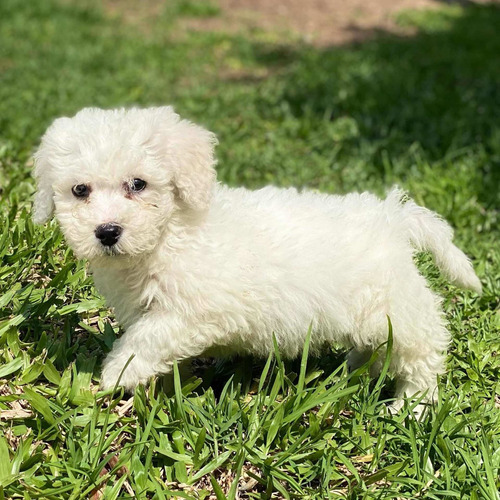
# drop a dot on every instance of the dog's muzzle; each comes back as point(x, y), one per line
point(108, 234)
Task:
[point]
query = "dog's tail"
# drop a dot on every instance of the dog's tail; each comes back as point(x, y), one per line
point(427, 231)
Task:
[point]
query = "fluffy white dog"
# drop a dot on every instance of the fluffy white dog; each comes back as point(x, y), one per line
point(193, 267)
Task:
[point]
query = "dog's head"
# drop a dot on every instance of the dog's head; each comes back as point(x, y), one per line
point(115, 177)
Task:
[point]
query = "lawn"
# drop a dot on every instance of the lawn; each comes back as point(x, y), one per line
point(420, 111)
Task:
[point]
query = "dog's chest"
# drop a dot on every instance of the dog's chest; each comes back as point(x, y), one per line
point(125, 290)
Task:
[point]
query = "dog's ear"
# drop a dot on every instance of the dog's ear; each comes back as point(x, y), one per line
point(43, 206)
point(195, 174)
point(188, 152)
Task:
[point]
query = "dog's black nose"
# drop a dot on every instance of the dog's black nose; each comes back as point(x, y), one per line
point(108, 234)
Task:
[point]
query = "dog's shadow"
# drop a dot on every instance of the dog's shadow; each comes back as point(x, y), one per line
point(245, 372)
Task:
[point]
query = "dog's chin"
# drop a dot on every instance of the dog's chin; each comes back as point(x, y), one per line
point(117, 252)
point(114, 253)
point(111, 251)
point(100, 252)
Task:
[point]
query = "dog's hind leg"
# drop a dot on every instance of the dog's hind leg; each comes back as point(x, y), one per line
point(420, 338)
point(420, 341)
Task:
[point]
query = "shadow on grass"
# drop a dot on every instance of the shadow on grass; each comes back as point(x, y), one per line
point(246, 371)
point(437, 91)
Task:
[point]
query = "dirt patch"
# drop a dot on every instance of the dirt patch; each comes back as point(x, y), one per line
point(318, 22)
point(141, 14)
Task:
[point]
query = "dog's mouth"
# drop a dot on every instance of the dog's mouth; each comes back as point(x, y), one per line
point(111, 251)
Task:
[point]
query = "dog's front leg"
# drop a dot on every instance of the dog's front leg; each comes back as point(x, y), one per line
point(149, 346)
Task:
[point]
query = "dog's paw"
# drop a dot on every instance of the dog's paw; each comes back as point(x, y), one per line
point(117, 373)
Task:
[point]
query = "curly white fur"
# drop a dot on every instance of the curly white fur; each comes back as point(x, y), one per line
point(203, 268)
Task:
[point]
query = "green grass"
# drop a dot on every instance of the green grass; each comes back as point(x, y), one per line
point(421, 111)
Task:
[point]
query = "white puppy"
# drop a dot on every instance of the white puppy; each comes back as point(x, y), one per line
point(193, 267)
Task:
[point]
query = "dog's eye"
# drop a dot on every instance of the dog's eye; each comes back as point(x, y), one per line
point(81, 190)
point(137, 185)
